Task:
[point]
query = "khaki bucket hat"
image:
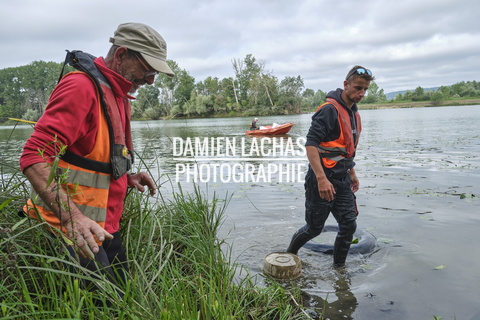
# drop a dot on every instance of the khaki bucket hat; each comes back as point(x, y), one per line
point(145, 40)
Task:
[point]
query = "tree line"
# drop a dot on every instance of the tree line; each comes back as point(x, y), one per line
point(251, 91)
point(460, 90)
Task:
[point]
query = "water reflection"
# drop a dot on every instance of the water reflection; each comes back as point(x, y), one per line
point(12, 139)
point(339, 303)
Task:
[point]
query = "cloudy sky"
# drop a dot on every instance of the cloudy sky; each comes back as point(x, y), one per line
point(406, 43)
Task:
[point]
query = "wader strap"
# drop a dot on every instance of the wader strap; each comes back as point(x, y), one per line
point(82, 162)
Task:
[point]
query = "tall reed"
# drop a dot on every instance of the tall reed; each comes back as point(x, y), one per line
point(179, 268)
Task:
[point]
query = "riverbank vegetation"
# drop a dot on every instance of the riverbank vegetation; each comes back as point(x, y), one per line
point(419, 104)
point(251, 91)
point(179, 268)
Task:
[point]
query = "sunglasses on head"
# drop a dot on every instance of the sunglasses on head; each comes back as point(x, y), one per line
point(359, 71)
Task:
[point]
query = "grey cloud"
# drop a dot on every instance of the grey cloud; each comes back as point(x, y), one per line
point(406, 44)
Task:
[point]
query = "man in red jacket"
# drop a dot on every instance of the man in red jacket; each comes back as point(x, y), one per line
point(89, 114)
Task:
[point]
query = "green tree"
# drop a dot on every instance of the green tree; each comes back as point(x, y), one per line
point(436, 98)
point(39, 80)
point(312, 99)
point(246, 71)
point(262, 95)
point(445, 92)
point(27, 88)
point(228, 95)
point(147, 99)
point(174, 91)
point(456, 88)
point(209, 86)
point(212, 89)
point(374, 94)
point(184, 88)
point(308, 93)
point(290, 101)
point(468, 90)
point(271, 92)
point(418, 94)
point(319, 98)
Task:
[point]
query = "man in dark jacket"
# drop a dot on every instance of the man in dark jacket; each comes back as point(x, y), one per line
point(253, 125)
point(331, 181)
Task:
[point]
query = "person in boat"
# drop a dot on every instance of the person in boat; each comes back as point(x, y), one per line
point(331, 182)
point(253, 125)
point(87, 205)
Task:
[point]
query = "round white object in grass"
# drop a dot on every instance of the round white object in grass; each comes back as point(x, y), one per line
point(282, 265)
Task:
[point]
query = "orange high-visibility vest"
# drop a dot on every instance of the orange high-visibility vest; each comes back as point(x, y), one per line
point(344, 146)
point(86, 184)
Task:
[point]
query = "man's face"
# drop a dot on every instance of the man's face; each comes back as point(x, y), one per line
point(136, 72)
point(355, 89)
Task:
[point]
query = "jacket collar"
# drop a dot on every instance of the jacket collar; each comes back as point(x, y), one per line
point(120, 86)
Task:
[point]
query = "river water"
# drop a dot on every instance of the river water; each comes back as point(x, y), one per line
point(419, 172)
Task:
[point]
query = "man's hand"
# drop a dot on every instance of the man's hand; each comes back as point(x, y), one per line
point(83, 231)
point(141, 179)
point(80, 229)
point(326, 189)
point(355, 183)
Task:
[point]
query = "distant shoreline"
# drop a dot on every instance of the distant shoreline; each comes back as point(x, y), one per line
point(369, 106)
point(419, 104)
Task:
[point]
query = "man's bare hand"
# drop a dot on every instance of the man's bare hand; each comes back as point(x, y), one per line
point(83, 231)
point(326, 189)
point(80, 229)
point(355, 184)
point(141, 179)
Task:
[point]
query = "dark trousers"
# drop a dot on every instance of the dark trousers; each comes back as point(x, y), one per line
point(110, 261)
point(317, 211)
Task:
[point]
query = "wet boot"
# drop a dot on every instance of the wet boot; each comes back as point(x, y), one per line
point(343, 241)
point(340, 251)
point(299, 239)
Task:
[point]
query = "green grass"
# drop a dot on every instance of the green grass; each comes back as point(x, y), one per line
point(179, 269)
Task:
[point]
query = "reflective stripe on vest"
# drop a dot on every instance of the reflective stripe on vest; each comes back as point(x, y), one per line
point(343, 148)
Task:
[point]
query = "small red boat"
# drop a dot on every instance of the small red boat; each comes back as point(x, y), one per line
point(272, 130)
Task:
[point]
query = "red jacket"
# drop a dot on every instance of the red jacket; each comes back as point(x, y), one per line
point(72, 115)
